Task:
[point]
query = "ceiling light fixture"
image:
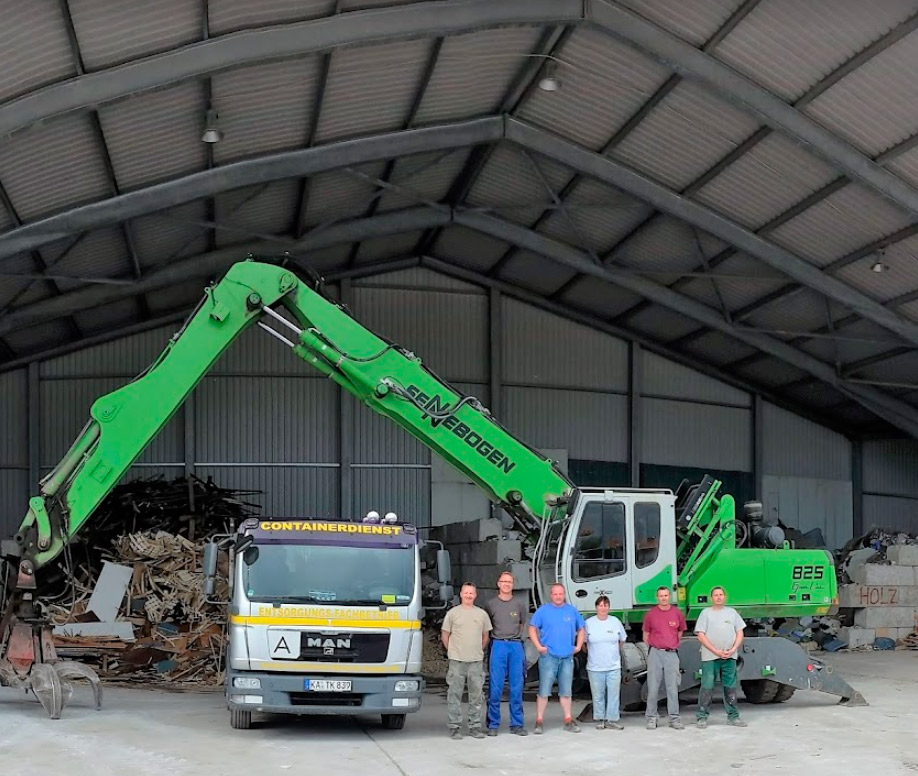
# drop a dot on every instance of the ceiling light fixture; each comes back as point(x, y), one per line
point(212, 131)
point(878, 265)
point(550, 81)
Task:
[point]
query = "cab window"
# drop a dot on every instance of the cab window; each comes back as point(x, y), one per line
point(599, 550)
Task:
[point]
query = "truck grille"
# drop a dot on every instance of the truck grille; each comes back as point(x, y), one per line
point(325, 699)
point(345, 647)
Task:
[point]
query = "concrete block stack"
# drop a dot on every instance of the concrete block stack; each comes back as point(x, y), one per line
point(480, 550)
point(883, 597)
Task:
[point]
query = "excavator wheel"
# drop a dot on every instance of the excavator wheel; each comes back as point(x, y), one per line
point(760, 690)
point(240, 720)
point(785, 693)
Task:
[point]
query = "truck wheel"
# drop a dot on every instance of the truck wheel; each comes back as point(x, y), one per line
point(760, 690)
point(785, 693)
point(240, 720)
point(393, 721)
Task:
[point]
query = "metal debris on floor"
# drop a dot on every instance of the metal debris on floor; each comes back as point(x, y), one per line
point(128, 597)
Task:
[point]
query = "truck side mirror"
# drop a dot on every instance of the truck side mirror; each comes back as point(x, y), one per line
point(444, 567)
point(446, 593)
point(210, 567)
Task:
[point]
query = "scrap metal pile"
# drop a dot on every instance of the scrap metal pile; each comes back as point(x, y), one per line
point(127, 598)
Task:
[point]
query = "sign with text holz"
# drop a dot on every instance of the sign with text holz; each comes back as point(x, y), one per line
point(862, 596)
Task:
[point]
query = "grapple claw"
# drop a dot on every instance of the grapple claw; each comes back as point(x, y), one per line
point(69, 669)
point(49, 689)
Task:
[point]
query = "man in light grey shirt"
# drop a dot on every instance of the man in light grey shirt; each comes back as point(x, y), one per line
point(720, 631)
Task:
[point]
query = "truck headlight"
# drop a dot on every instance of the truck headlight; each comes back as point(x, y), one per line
point(247, 682)
point(407, 685)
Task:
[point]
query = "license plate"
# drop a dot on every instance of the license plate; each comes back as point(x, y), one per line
point(327, 685)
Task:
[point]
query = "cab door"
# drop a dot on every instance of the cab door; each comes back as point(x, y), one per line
point(597, 555)
point(653, 546)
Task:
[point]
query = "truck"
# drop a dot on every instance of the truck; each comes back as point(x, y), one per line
point(621, 542)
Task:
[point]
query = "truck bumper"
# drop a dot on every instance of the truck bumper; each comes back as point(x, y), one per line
point(284, 694)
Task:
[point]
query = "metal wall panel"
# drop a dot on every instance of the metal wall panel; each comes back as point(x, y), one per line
point(448, 331)
point(125, 357)
point(797, 447)
point(286, 491)
point(892, 514)
point(664, 378)
point(804, 503)
point(890, 466)
point(542, 349)
point(266, 420)
point(379, 440)
point(592, 426)
point(403, 491)
point(677, 433)
point(421, 278)
point(14, 408)
point(14, 499)
point(65, 405)
point(255, 352)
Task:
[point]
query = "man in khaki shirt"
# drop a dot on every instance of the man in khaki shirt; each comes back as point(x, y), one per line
point(465, 635)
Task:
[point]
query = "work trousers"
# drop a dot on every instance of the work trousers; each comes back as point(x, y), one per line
point(458, 675)
point(507, 664)
point(605, 687)
point(663, 668)
point(712, 671)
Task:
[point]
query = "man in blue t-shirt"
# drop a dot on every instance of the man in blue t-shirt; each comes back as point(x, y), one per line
point(557, 631)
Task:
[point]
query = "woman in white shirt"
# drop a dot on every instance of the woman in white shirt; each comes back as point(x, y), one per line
point(605, 636)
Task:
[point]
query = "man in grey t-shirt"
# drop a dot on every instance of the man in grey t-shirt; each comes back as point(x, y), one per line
point(509, 615)
point(720, 631)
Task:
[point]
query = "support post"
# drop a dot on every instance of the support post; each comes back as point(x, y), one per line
point(33, 407)
point(495, 349)
point(635, 420)
point(857, 487)
point(346, 431)
point(758, 446)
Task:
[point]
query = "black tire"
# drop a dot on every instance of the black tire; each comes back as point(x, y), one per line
point(785, 693)
point(393, 721)
point(240, 720)
point(760, 690)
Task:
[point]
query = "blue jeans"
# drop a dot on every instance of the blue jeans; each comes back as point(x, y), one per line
point(507, 662)
point(552, 668)
point(604, 687)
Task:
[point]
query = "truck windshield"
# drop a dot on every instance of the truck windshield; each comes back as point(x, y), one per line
point(328, 573)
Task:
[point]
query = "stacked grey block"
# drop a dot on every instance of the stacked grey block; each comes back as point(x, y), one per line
point(884, 598)
point(480, 550)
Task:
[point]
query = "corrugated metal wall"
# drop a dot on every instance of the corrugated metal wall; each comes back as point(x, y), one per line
point(890, 485)
point(261, 420)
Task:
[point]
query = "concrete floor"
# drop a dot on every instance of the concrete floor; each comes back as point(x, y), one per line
point(150, 732)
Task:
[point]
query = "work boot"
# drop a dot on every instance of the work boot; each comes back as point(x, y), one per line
point(651, 723)
point(476, 733)
point(455, 734)
point(736, 722)
point(572, 727)
point(701, 723)
point(519, 731)
point(676, 724)
point(614, 725)
point(538, 728)
point(492, 732)
point(601, 725)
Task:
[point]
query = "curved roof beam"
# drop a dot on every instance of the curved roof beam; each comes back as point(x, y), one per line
point(378, 25)
point(898, 413)
point(741, 91)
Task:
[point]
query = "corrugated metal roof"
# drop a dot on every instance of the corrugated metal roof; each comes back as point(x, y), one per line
point(599, 298)
point(664, 245)
point(337, 195)
point(392, 246)
point(11, 288)
point(865, 339)
point(535, 272)
point(35, 338)
point(876, 106)
point(743, 279)
point(661, 323)
point(694, 22)
point(420, 277)
point(901, 259)
point(263, 108)
point(906, 166)
point(371, 88)
point(156, 136)
point(902, 369)
point(469, 248)
point(182, 296)
point(766, 181)
point(604, 82)
point(35, 48)
point(163, 236)
point(788, 46)
point(803, 311)
point(102, 253)
point(52, 167)
point(473, 72)
point(328, 258)
point(271, 211)
point(685, 135)
point(509, 182)
point(428, 176)
point(110, 33)
point(231, 15)
point(717, 348)
point(107, 317)
point(816, 393)
point(849, 218)
point(770, 372)
point(359, 5)
point(596, 217)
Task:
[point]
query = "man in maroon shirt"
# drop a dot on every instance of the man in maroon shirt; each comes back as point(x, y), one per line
point(663, 629)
